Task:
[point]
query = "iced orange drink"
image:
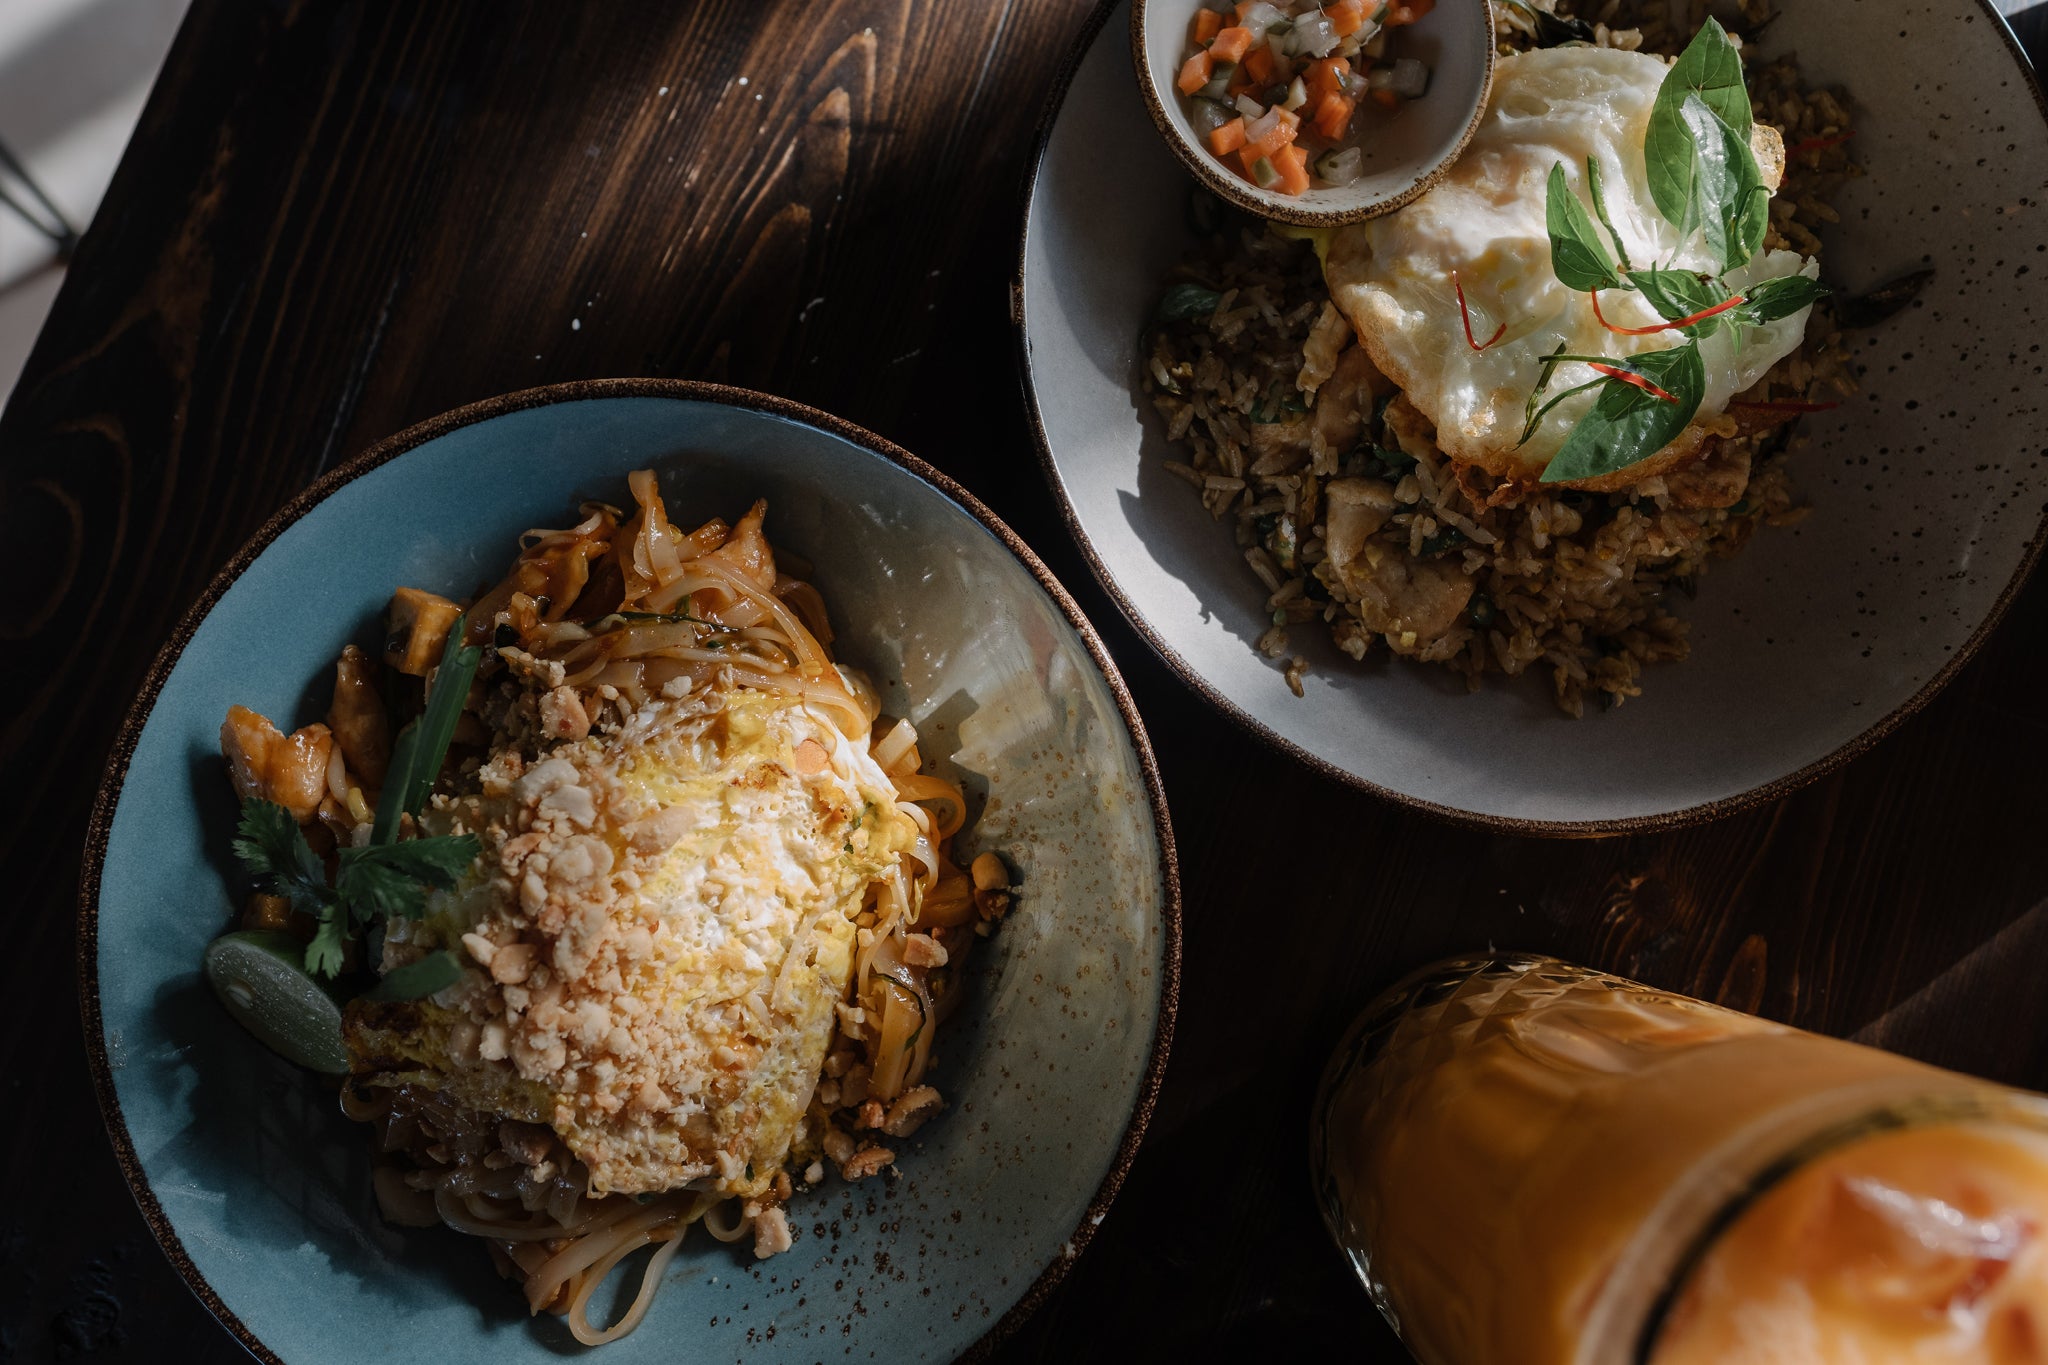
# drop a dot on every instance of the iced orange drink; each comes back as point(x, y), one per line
point(1530, 1163)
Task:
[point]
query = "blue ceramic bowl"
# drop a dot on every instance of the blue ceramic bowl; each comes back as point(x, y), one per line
point(259, 1189)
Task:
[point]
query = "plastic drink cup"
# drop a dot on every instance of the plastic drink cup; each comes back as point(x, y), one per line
point(1531, 1163)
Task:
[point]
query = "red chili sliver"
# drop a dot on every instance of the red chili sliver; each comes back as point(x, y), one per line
point(1700, 316)
point(1630, 377)
point(1465, 314)
point(1815, 144)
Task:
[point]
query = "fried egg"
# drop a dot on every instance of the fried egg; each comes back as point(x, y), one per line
point(1392, 276)
point(660, 939)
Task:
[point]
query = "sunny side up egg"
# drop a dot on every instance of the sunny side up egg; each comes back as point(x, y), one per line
point(1485, 220)
point(659, 939)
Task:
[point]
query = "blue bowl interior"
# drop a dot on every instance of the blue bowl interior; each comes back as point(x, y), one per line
point(266, 1186)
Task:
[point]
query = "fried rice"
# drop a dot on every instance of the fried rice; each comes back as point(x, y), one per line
point(1579, 583)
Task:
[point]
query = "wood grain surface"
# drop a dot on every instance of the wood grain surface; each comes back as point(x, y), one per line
point(337, 219)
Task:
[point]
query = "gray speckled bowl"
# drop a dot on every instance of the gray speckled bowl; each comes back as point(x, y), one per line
point(259, 1189)
point(1927, 489)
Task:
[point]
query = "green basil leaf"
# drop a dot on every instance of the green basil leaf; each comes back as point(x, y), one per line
point(422, 746)
point(1752, 217)
point(1769, 300)
point(1627, 425)
point(1679, 294)
point(1576, 254)
point(416, 980)
point(1593, 188)
point(1732, 201)
point(1710, 70)
point(1672, 168)
point(1185, 301)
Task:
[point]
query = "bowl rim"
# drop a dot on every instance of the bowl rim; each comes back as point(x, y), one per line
point(107, 797)
point(1681, 818)
point(1265, 203)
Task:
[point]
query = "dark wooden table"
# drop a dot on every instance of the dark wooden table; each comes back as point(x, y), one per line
point(337, 219)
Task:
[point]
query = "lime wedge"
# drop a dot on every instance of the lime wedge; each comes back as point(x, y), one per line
point(258, 977)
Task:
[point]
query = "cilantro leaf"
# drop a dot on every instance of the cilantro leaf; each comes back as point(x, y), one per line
point(436, 971)
point(324, 953)
point(274, 851)
point(422, 746)
point(386, 878)
point(1576, 253)
point(1627, 425)
point(387, 881)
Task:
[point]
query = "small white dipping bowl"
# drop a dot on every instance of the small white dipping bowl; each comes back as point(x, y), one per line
point(1407, 150)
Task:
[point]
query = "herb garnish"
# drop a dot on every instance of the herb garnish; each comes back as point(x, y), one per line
point(436, 971)
point(1465, 314)
point(1644, 402)
point(1577, 256)
point(1184, 302)
point(385, 878)
point(1555, 30)
point(1704, 179)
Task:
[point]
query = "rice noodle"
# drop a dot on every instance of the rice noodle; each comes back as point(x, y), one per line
point(722, 1230)
point(727, 619)
point(594, 1244)
point(643, 1298)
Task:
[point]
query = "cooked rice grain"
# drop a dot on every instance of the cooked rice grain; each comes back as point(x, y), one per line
point(1579, 583)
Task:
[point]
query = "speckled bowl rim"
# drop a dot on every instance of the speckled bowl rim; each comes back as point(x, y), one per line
point(1246, 197)
point(391, 448)
point(1494, 824)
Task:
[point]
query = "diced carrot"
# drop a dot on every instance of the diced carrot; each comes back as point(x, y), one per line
point(1284, 131)
point(1386, 99)
point(1194, 73)
point(1333, 116)
point(1228, 138)
point(1346, 17)
point(1292, 163)
point(1326, 77)
point(1242, 8)
point(1259, 64)
point(1230, 44)
point(1208, 23)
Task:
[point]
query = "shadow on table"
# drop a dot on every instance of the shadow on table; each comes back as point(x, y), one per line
point(2000, 979)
